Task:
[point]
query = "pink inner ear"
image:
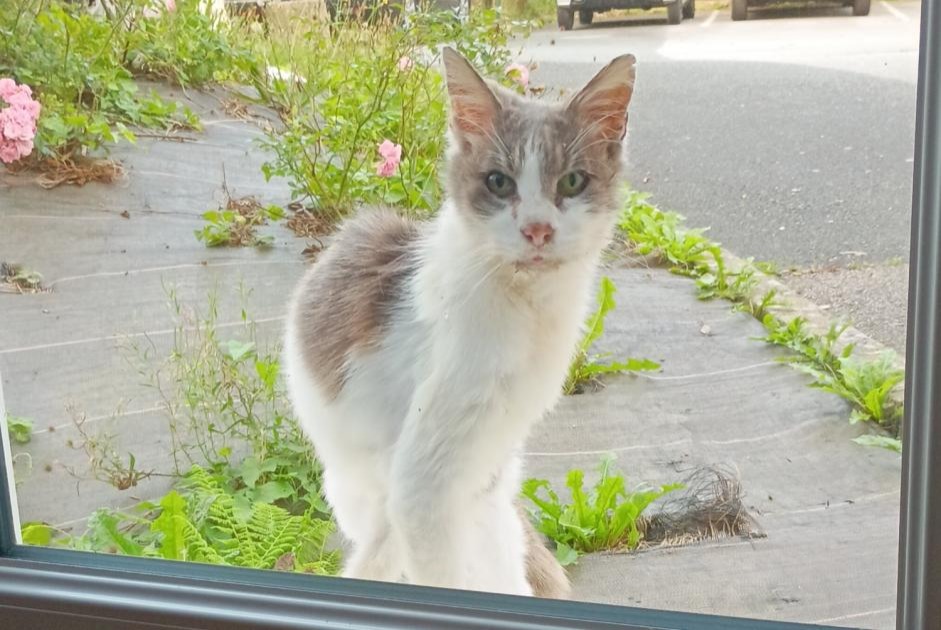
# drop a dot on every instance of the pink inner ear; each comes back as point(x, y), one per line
point(471, 118)
point(609, 110)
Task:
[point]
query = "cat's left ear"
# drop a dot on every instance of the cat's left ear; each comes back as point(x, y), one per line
point(474, 108)
point(603, 102)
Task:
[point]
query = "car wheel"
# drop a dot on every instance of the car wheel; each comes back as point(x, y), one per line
point(739, 10)
point(566, 18)
point(675, 12)
point(861, 7)
point(585, 16)
point(689, 10)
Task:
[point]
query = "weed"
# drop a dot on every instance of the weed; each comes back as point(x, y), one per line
point(235, 225)
point(19, 279)
point(585, 368)
point(880, 441)
point(20, 429)
point(759, 308)
point(688, 251)
point(866, 385)
point(105, 462)
point(606, 517)
point(768, 267)
point(226, 411)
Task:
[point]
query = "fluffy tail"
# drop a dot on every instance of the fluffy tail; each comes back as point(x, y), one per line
point(544, 573)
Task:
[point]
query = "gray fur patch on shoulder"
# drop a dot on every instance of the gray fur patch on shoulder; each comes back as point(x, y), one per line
point(349, 296)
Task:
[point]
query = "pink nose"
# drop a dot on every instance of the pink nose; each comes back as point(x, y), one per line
point(538, 233)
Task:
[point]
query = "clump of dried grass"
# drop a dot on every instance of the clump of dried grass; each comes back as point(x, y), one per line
point(711, 506)
point(74, 172)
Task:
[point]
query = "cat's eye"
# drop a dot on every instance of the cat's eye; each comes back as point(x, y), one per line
point(572, 184)
point(500, 184)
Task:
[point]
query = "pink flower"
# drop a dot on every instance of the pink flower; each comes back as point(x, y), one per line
point(9, 152)
point(519, 73)
point(18, 115)
point(170, 5)
point(391, 155)
point(405, 63)
point(17, 123)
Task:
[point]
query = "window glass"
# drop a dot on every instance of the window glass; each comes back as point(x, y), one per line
point(475, 386)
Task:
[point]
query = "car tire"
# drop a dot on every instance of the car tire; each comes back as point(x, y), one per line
point(739, 10)
point(689, 10)
point(675, 12)
point(861, 7)
point(566, 18)
point(585, 16)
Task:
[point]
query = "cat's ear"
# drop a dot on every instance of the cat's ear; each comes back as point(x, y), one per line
point(474, 108)
point(603, 102)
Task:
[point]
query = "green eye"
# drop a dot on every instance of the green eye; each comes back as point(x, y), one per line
point(500, 184)
point(572, 184)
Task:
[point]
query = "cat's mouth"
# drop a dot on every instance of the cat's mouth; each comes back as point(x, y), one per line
point(536, 263)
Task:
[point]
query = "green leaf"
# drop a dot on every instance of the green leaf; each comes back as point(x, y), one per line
point(565, 554)
point(238, 350)
point(20, 429)
point(108, 523)
point(250, 469)
point(272, 491)
point(595, 324)
point(37, 534)
point(170, 524)
point(880, 441)
point(241, 507)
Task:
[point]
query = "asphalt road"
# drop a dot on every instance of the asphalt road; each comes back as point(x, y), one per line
point(790, 134)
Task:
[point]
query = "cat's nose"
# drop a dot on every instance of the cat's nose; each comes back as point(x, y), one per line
point(538, 233)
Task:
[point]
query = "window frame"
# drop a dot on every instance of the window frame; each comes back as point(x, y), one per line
point(55, 588)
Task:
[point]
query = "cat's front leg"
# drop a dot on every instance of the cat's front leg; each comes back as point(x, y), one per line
point(441, 460)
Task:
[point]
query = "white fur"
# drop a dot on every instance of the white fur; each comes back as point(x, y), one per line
point(420, 447)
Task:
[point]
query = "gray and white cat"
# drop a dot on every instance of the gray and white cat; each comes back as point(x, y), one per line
point(418, 356)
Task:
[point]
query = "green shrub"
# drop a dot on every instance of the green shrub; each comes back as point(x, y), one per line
point(344, 91)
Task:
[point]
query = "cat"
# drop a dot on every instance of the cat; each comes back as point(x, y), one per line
point(419, 355)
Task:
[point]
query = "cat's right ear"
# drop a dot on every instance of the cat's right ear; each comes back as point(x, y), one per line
point(474, 108)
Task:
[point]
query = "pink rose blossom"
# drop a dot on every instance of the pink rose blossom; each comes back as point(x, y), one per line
point(519, 73)
point(405, 63)
point(391, 154)
point(18, 115)
point(17, 123)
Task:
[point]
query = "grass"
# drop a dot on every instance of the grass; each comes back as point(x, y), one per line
point(865, 384)
point(586, 368)
point(607, 516)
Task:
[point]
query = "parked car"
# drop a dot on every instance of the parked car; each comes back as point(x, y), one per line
point(677, 10)
point(740, 7)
